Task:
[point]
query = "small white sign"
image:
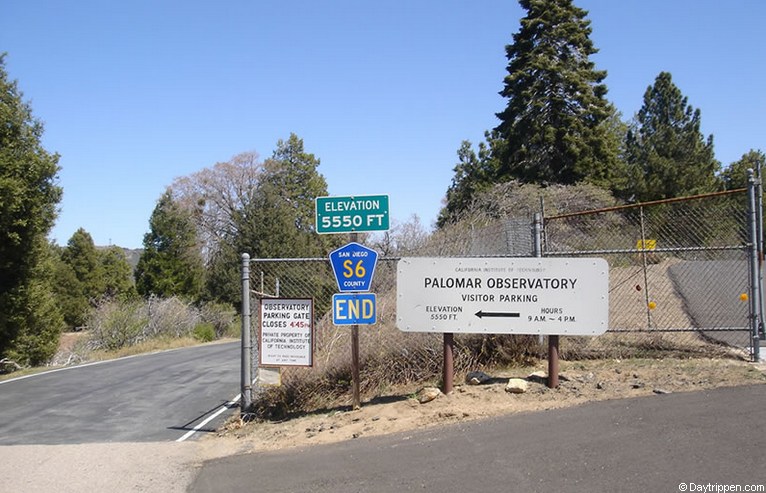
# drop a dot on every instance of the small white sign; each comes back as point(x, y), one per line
point(286, 332)
point(550, 296)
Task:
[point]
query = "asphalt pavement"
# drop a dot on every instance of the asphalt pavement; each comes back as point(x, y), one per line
point(152, 397)
point(661, 443)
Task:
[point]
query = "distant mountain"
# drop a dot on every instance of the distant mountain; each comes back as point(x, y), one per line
point(132, 254)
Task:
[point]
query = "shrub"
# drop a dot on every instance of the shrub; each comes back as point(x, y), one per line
point(115, 325)
point(222, 317)
point(204, 332)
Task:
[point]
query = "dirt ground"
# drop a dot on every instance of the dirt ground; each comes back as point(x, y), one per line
point(400, 411)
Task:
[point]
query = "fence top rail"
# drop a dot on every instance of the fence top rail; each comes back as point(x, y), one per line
point(561, 253)
point(644, 204)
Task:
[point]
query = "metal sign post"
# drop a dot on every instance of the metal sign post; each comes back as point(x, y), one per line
point(356, 393)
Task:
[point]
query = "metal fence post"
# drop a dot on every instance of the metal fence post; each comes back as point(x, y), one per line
point(759, 238)
point(246, 377)
point(755, 294)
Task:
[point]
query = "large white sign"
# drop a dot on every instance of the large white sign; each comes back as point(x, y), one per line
point(287, 329)
point(552, 296)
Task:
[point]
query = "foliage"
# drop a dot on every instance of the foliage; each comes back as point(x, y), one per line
point(85, 275)
point(282, 210)
point(117, 272)
point(116, 324)
point(667, 154)
point(735, 175)
point(73, 303)
point(83, 258)
point(402, 238)
point(551, 129)
point(171, 264)
point(215, 198)
point(223, 319)
point(557, 127)
point(204, 332)
point(29, 319)
point(473, 174)
point(275, 221)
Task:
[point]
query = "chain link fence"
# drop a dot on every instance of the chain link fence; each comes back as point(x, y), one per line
point(679, 283)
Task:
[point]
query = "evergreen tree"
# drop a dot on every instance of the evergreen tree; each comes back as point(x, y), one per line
point(171, 264)
point(81, 255)
point(29, 318)
point(282, 211)
point(553, 128)
point(276, 220)
point(472, 175)
point(667, 154)
point(118, 274)
point(69, 293)
point(557, 127)
point(735, 175)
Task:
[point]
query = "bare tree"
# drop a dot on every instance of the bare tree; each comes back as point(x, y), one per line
point(217, 195)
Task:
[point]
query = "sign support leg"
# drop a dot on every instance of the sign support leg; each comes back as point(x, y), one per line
point(357, 400)
point(448, 364)
point(553, 361)
point(355, 366)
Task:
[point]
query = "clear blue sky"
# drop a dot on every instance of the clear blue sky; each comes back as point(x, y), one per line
point(136, 93)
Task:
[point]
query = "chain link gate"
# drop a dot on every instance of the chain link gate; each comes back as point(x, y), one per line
point(681, 270)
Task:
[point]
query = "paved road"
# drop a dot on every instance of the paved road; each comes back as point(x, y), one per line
point(647, 444)
point(711, 290)
point(154, 397)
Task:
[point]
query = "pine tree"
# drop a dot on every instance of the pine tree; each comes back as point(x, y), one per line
point(118, 274)
point(472, 175)
point(81, 255)
point(171, 264)
point(29, 318)
point(282, 210)
point(553, 128)
point(70, 295)
point(735, 175)
point(667, 154)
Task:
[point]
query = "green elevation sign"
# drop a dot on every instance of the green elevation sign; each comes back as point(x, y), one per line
point(351, 214)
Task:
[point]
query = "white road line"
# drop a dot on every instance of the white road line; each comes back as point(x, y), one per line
point(210, 418)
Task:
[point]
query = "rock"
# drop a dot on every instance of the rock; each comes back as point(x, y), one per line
point(538, 377)
point(516, 386)
point(477, 378)
point(427, 394)
point(661, 391)
point(600, 385)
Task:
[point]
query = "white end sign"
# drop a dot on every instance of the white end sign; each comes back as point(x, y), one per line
point(286, 332)
point(550, 296)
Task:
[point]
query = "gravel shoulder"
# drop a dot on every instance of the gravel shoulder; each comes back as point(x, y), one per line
point(171, 467)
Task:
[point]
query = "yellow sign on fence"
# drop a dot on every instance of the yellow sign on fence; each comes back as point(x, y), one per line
point(646, 244)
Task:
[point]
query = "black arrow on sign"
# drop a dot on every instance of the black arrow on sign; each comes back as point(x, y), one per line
point(482, 314)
